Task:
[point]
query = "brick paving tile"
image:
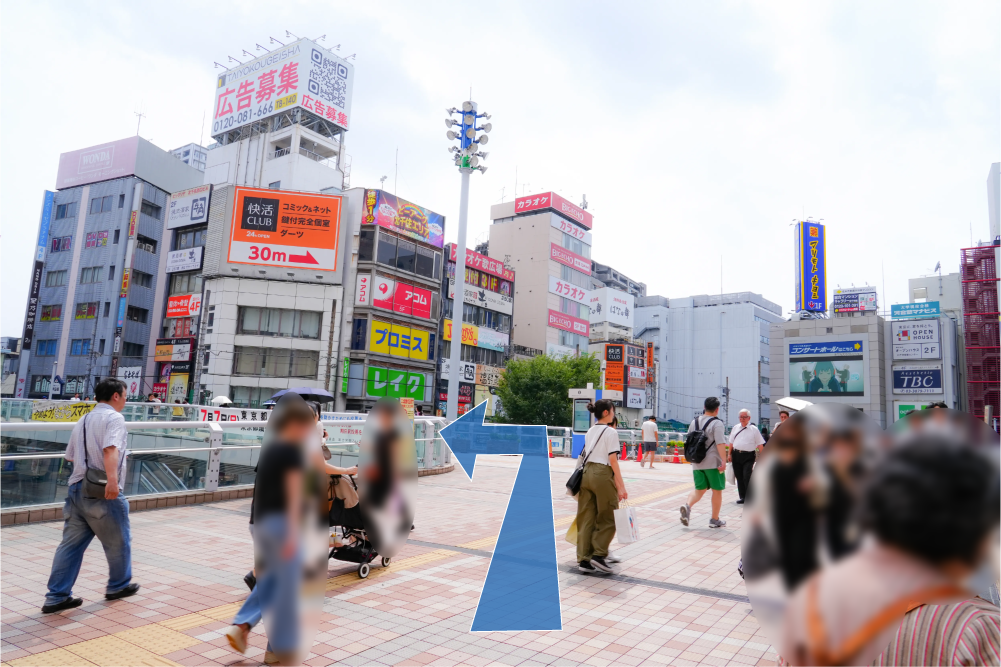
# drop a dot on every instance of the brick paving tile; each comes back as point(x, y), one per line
point(418, 611)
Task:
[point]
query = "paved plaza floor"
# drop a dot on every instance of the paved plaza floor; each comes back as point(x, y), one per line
point(678, 599)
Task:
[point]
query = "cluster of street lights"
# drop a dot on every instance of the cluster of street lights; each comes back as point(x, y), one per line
point(467, 158)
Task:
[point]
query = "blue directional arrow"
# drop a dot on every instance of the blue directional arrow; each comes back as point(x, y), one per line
point(522, 590)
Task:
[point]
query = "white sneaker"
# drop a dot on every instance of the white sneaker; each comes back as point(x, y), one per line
point(612, 558)
point(237, 638)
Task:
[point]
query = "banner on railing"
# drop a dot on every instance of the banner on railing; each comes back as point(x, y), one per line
point(60, 411)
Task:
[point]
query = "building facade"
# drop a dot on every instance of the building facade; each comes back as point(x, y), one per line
point(605, 276)
point(709, 345)
point(546, 240)
point(193, 155)
point(94, 304)
point(393, 273)
point(487, 319)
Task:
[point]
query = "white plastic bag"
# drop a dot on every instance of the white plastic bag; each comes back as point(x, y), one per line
point(626, 528)
point(730, 477)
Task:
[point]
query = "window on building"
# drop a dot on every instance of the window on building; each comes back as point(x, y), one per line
point(40, 384)
point(764, 339)
point(91, 274)
point(765, 380)
point(359, 330)
point(132, 349)
point(142, 279)
point(80, 347)
point(145, 243)
point(575, 277)
point(101, 204)
point(61, 244)
point(571, 307)
point(100, 346)
point(919, 293)
point(765, 360)
point(186, 153)
point(55, 278)
point(134, 314)
point(86, 310)
point(150, 209)
point(121, 201)
point(178, 327)
point(277, 185)
point(111, 272)
point(107, 308)
point(52, 313)
point(75, 384)
point(190, 238)
point(185, 283)
point(45, 348)
point(573, 340)
point(278, 322)
point(366, 245)
point(275, 362)
point(576, 245)
point(387, 250)
point(477, 355)
point(250, 397)
point(406, 256)
point(425, 262)
point(117, 233)
point(66, 210)
point(765, 399)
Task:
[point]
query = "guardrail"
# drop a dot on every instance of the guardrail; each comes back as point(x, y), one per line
point(173, 456)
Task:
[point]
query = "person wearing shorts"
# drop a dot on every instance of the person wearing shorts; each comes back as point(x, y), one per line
point(708, 473)
point(649, 440)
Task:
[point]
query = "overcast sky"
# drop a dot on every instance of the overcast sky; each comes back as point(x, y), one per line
point(698, 131)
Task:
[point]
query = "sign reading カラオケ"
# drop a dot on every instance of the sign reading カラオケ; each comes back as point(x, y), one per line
point(287, 229)
point(302, 74)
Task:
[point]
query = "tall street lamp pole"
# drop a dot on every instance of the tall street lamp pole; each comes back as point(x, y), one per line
point(467, 159)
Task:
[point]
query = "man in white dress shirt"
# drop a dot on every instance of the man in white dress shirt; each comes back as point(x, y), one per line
point(745, 442)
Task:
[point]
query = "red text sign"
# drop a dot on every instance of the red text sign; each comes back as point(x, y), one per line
point(551, 200)
point(571, 259)
point(475, 260)
point(569, 323)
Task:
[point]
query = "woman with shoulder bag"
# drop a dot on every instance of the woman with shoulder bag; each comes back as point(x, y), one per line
point(601, 489)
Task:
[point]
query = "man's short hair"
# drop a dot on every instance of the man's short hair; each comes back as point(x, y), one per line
point(784, 412)
point(744, 411)
point(107, 388)
point(652, 418)
point(711, 404)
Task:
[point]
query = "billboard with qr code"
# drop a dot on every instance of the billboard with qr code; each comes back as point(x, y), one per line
point(302, 74)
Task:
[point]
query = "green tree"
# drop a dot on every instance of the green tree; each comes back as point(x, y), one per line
point(536, 390)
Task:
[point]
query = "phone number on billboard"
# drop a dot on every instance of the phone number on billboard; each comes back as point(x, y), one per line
point(247, 115)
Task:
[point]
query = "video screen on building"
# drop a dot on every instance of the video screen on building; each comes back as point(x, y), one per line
point(825, 369)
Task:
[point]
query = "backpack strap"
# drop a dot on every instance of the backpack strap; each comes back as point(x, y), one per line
point(819, 652)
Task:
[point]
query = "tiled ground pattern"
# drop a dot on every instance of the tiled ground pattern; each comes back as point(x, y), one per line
point(190, 561)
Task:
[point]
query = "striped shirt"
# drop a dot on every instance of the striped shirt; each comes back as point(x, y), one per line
point(962, 633)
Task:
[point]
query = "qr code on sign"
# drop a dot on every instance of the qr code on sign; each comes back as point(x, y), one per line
point(328, 79)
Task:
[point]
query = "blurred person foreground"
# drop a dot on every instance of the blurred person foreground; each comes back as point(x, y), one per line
point(862, 546)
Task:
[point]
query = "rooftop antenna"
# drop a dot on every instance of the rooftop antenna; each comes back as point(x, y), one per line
point(382, 182)
point(583, 203)
point(201, 138)
point(140, 115)
point(275, 40)
point(396, 170)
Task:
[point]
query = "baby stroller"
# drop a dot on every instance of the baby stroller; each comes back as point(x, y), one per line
point(356, 547)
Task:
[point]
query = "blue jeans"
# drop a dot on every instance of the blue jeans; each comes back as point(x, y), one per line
point(85, 518)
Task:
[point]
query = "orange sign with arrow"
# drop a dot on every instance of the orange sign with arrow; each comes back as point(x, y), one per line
point(288, 229)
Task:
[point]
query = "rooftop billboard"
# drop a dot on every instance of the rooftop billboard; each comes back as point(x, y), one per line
point(551, 200)
point(97, 163)
point(399, 215)
point(811, 267)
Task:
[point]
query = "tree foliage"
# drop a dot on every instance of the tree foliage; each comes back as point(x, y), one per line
point(536, 390)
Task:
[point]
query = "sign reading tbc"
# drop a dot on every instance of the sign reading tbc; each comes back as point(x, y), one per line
point(917, 380)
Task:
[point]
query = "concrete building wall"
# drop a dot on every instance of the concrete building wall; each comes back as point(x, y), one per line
point(952, 374)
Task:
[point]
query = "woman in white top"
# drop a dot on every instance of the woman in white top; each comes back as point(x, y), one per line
point(601, 489)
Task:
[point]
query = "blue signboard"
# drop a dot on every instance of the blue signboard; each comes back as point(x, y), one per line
point(852, 347)
point(43, 226)
point(911, 311)
point(917, 380)
point(811, 267)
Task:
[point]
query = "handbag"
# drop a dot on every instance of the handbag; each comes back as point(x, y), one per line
point(342, 490)
point(626, 530)
point(95, 481)
point(571, 535)
point(731, 478)
point(577, 476)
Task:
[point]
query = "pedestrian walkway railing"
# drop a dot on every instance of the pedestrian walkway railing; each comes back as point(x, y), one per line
point(666, 441)
point(173, 456)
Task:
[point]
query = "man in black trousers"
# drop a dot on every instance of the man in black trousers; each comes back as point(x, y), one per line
point(745, 443)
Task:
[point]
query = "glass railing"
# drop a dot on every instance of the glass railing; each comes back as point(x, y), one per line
point(178, 457)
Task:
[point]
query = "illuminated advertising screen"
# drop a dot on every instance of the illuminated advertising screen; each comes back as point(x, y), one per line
point(824, 369)
point(811, 267)
point(399, 215)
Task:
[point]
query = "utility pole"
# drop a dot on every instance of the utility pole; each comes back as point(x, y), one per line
point(467, 159)
point(726, 394)
point(52, 378)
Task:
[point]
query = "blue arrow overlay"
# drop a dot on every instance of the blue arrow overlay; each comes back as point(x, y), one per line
point(522, 589)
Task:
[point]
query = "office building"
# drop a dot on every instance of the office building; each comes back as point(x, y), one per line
point(10, 355)
point(393, 272)
point(612, 312)
point(605, 276)
point(922, 362)
point(487, 309)
point(709, 345)
point(93, 307)
point(546, 240)
point(193, 155)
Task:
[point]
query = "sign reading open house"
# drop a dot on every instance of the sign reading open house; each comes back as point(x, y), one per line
point(286, 229)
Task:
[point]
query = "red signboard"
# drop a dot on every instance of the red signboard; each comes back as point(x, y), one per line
point(551, 200)
point(411, 300)
point(571, 259)
point(184, 305)
point(569, 323)
point(475, 260)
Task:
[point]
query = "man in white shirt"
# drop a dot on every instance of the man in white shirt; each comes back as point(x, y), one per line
point(98, 441)
point(649, 440)
point(745, 442)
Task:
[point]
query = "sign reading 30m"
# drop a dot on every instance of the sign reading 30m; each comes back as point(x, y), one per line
point(288, 229)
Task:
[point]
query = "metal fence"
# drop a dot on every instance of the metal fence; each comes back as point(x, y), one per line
point(172, 456)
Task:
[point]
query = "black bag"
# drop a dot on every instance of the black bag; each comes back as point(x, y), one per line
point(573, 484)
point(94, 481)
point(696, 442)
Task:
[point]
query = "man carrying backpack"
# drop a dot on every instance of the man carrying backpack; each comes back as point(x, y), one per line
point(705, 449)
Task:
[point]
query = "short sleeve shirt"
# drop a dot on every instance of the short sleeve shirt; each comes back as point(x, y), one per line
point(600, 442)
point(715, 433)
point(746, 438)
point(105, 428)
point(649, 431)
